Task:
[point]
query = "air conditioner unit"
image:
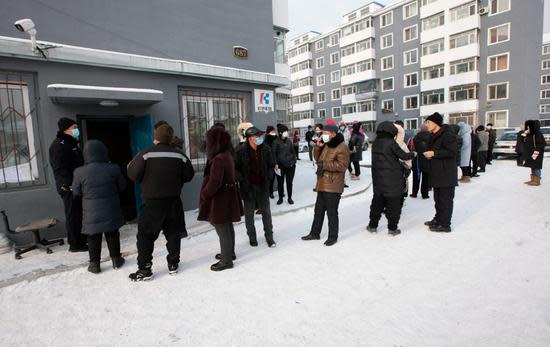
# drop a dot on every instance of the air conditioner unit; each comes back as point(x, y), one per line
point(483, 11)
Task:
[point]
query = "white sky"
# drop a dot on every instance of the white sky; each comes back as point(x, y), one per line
point(323, 15)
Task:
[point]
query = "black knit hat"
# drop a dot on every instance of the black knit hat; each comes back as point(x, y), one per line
point(65, 123)
point(436, 118)
point(281, 128)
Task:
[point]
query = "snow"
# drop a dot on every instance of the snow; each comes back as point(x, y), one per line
point(484, 284)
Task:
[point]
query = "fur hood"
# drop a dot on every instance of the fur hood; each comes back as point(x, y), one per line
point(336, 140)
point(217, 141)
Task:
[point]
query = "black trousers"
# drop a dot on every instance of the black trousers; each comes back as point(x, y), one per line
point(310, 153)
point(157, 215)
point(391, 204)
point(287, 173)
point(326, 202)
point(297, 152)
point(420, 181)
point(113, 244)
point(465, 170)
point(226, 234)
point(490, 155)
point(482, 160)
point(257, 200)
point(73, 220)
point(475, 163)
point(444, 198)
point(356, 167)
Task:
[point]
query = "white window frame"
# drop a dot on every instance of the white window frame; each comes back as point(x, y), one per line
point(542, 64)
point(317, 80)
point(507, 54)
point(545, 91)
point(499, 12)
point(324, 97)
point(405, 57)
point(496, 84)
point(498, 111)
point(545, 48)
point(407, 122)
point(382, 63)
point(544, 109)
point(331, 58)
point(438, 15)
point(392, 102)
point(405, 80)
point(382, 41)
point(547, 77)
point(407, 28)
point(322, 60)
point(319, 113)
point(466, 5)
point(339, 113)
point(392, 84)
point(405, 102)
point(339, 94)
point(332, 79)
point(390, 14)
point(319, 45)
point(489, 43)
point(330, 43)
point(415, 4)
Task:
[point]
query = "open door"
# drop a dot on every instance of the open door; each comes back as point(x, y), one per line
point(141, 137)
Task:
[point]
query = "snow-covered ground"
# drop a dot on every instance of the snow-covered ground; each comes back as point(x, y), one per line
point(485, 284)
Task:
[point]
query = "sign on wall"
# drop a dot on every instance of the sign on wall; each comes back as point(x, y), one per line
point(240, 52)
point(264, 100)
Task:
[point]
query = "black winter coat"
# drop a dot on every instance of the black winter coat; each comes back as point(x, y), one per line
point(476, 143)
point(534, 141)
point(65, 157)
point(99, 183)
point(459, 142)
point(443, 172)
point(242, 169)
point(283, 152)
point(421, 143)
point(355, 146)
point(387, 174)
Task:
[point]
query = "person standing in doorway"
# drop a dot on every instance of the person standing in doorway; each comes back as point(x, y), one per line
point(254, 166)
point(483, 147)
point(492, 140)
point(309, 139)
point(162, 171)
point(332, 157)
point(443, 173)
point(65, 157)
point(285, 159)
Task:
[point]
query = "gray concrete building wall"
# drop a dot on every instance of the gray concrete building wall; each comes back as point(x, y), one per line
point(328, 68)
point(544, 108)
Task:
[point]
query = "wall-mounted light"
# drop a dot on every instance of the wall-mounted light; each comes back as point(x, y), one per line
point(108, 103)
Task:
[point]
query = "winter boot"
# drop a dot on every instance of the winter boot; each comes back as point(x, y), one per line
point(532, 179)
point(310, 237)
point(394, 232)
point(94, 268)
point(117, 262)
point(465, 179)
point(371, 229)
point(280, 201)
point(252, 239)
point(173, 269)
point(220, 266)
point(430, 223)
point(270, 242)
point(290, 201)
point(440, 229)
point(144, 274)
point(330, 242)
point(219, 256)
point(535, 182)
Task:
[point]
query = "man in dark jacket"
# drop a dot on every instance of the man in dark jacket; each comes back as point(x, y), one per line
point(387, 178)
point(285, 160)
point(65, 157)
point(161, 170)
point(253, 167)
point(492, 140)
point(421, 166)
point(443, 171)
point(309, 139)
point(270, 136)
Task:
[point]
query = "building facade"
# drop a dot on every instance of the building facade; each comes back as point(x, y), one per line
point(471, 61)
point(192, 64)
point(545, 82)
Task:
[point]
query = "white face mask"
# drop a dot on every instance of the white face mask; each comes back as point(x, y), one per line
point(326, 138)
point(285, 135)
point(272, 134)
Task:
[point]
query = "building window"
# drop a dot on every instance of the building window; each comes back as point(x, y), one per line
point(300, 67)
point(302, 99)
point(410, 102)
point(335, 76)
point(365, 11)
point(411, 80)
point(304, 82)
point(351, 108)
point(322, 113)
point(464, 92)
point(321, 97)
point(319, 45)
point(411, 123)
point(466, 117)
point(545, 94)
point(498, 63)
point(387, 106)
point(336, 112)
point(410, 33)
point(433, 97)
point(545, 79)
point(348, 50)
point(497, 91)
point(320, 63)
point(364, 45)
point(279, 47)
point(427, 2)
point(433, 22)
point(387, 84)
point(335, 58)
point(499, 6)
point(463, 66)
point(321, 80)
point(433, 72)
point(356, 27)
point(546, 49)
point(367, 106)
point(386, 41)
point(546, 64)
point(365, 65)
point(387, 63)
point(499, 119)
point(336, 94)
point(499, 34)
point(335, 39)
point(463, 11)
point(463, 39)
point(348, 70)
point(410, 57)
point(410, 10)
point(386, 19)
point(433, 47)
point(545, 108)
point(352, 16)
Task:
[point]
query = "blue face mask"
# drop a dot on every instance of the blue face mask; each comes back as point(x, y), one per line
point(326, 138)
point(75, 133)
point(260, 140)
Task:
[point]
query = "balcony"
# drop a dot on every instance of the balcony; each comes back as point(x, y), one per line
point(430, 109)
point(462, 25)
point(369, 95)
point(301, 74)
point(434, 83)
point(434, 59)
point(439, 6)
point(303, 123)
point(464, 52)
point(306, 106)
point(356, 37)
point(434, 34)
point(348, 99)
point(471, 105)
point(358, 77)
point(464, 78)
point(300, 58)
point(359, 116)
point(357, 57)
point(303, 90)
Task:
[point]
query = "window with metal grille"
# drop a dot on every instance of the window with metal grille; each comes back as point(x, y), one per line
point(18, 147)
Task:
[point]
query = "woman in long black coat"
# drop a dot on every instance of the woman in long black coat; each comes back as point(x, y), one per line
point(99, 183)
point(533, 153)
point(355, 146)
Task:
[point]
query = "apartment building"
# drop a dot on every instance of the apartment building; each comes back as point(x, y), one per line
point(471, 61)
point(545, 82)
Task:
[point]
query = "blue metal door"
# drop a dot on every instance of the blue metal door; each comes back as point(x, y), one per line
point(141, 135)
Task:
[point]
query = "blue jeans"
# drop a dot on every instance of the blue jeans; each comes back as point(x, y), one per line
point(536, 172)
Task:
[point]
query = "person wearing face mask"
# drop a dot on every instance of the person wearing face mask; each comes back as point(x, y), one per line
point(270, 136)
point(285, 159)
point(253, 168)
point(65, 157)
point(309, 139)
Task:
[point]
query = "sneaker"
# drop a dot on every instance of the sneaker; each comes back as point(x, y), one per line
point(118, 262)
point(330, 242)
point(394, 232)
point(141, 275)
point(371, 229)
point(309, 237)
point(290, 201)
point(173, 269)
point(94, 268)
point(220, 266)
point(219, 256)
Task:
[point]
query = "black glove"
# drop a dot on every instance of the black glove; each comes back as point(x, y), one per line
point(319, 171)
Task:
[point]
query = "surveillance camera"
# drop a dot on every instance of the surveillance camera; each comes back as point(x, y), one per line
point(25, 25)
